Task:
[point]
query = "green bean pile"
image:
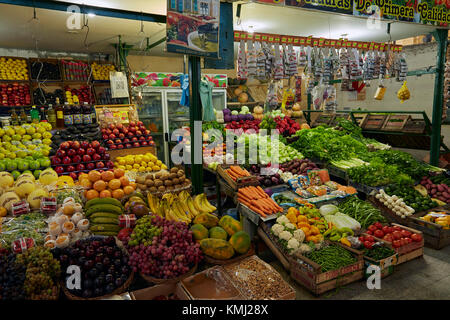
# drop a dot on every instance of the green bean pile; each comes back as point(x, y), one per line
point(379, 253)
point(362, 211)
point(331, 258)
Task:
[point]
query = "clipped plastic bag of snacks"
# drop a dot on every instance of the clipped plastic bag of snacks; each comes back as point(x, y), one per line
point(303, 182)
point(332, 185)
point(317, 190)
point(303, 193)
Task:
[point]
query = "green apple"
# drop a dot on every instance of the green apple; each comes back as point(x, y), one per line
point(22, 165)
point(36, 155)
point(2, 166)
point(34, 165)
point(37, 173)
point(45, 162)
point(12, 166)
point(15, 174)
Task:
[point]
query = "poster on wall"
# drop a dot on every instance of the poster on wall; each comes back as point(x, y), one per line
point(193, 27)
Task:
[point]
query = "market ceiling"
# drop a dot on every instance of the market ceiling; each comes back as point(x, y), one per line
point(17, 28)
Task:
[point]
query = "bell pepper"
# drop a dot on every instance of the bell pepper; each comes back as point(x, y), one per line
point(345, 241)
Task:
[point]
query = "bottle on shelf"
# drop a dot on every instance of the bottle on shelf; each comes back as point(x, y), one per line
point(59, 110)
point(23, 116)
point(52, 115)
point(34, 113)
point(93, 114)
point(87, 117)
point(14, 117)
point(76, 111)
point(43, 115)
point(68, 116)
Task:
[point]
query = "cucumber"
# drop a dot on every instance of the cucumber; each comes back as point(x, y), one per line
point(104, 208)
point(102, 220)
point(104, 227)
point(103, 215)
point(97, 201)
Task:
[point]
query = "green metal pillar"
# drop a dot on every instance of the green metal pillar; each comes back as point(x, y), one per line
point(441, 38)
point(195, 116)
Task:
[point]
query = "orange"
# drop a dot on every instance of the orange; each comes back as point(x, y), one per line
point(124, 181)
point(107, 176)
point(3, 212)
point(68, 210)
point(105, 194)
point(118, 193)
point(133, 184)
point(85, 183)
point(91, 194)
point(119, 173)
point(94, 176)
point(100, 185)
point(114, 184)
point(83, 176)
point(128, 190)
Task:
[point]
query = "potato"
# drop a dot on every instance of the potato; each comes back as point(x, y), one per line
point(149, 183)
point(153, 189)
point(172, 176)
point(141, 186)
point(180, 173)
point(178, 186)
point(140, 180)
point(174, 170)
point(150, 177)
point(168, 183)
point(161, 189)
point(158, 183)
point(170, 188)
point(164, 177)
point(176, 181)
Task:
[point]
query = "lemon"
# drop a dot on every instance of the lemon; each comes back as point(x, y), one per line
point(26, 137)
point(145, 158)
point(31, 130)
point(164, 167)
point(10, 131)
point(128, 167)
point(21, 131)
point(138, 159)
point(47, 142)
point(47, 126)
point(37, 135)
point(2, 156)
point(142, 169)
point(45, 152)
point(11, 155)
point(143, 163)
point(158, 163)
point(136, 166)
point(16, 137)
point(122, 167)
point(156, 168)
point(47, 135)
point(122, 162)
point(134, 170)
point(6, 138)
point(130, 161)
point(41, 129)
point(149, 169)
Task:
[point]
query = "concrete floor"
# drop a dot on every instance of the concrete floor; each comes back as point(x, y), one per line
point(424, 278)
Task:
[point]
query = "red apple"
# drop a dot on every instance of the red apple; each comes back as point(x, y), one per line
point(71, 152)
point(113, 147)
point(101, 150)
point(96, 157)
point(147, 132)
point(144, 143)
point(116, 131)
point(76, 158)
point(90, 166)
point(139, 133)
point(76, 145)
point(134, 139)
point(106, 156)
point(110, 142)
point(80, 167)
point(132, 129)
point(100, 165)
point(60, 153)
point(55, 160)
point(66, 160)
point(111, 126)
point(73, 175)
point(132, 124)
point(128, 145)
point(136, 145)
point(64, 146)
point(103, 131)
point(108, 132)
point(110, 164)
point(112, 136)
point(105, 137)
point(120, 146)
point(126, 140)
point(87, 158)
point(119, 126)
point(130, 134)
point(125, 131)
point(121, 135)
point(70, 168)
point(90, 151)
point(59, 170)
point(84, 145)
point(70, 142)
point(139, 123)
point(95, 144)
point(118, 141)
point(81, 151)
point(142, 138)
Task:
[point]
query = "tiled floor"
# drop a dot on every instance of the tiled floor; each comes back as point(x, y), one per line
point(427, 277)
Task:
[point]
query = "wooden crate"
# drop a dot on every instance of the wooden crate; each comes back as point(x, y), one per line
point(323, 119)
point(52, 61)
point(308, 273)
point(82, 73)
point(388, 213)
point(240, 182)
point(435, 235)
point(359, 117)
point(374, 121)
point(414, 126)
point(395, 122)
point(386, 265)
point(410, 256)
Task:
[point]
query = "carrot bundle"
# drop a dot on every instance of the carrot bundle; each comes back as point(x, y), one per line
point(236, 172)
point(257, 200)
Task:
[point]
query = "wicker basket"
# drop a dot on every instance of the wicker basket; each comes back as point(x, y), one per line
point(152, 280)
point(237, 258)
point(123, 288)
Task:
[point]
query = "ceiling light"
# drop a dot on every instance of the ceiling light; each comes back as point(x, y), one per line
point(91, 15)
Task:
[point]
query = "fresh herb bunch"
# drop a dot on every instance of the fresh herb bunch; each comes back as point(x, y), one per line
point(331, 258)
point(379, 252)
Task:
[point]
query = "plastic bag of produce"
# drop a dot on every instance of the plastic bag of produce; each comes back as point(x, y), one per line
point(328, 209)
point(403, 94)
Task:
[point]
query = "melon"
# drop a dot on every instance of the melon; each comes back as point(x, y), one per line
point(34, 199)
point(243, 97)
point(237, 92)
point(26, 175)
point(6, 179)
point(7, 199)
point(48, 176)
point(24, 187)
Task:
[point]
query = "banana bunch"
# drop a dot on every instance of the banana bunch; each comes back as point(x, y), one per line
point(181, 207)
point(403, 94)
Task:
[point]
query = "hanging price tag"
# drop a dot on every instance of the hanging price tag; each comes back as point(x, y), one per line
point(119, 85)
point(264, 37)
point(257, 37)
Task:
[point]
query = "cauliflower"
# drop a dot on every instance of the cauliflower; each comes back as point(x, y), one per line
point(293, 244)
point(299, 235)
point(285, 235)
point(290, 226)
point(282, 219)
point(304, 248)
point(277, 229)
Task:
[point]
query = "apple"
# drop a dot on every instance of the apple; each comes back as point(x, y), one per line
point(87, 158)
point(105, 137)
point(81, 151)
point(101, 150)
point(141, 138)
point(134, 139)
point(106, 156)
point(144, 143)
point(126, 140)
point(76, 158)
point(60, 153)
point(90, 166)
point(80, 167)
point(64, 146)
point(95, 144)
point(139, 123)
point(125, 131)
point(111, 126)
point(116, 131)
point(132, 124)
point(90, 151)
point(96, 157)
point(55, 160)
point(119, 126)
point(136, 145)
point(110, 164)
point(108, 132)
point(84, 145)
point(66, 160)
point(120, 146)
point(151, 143)
point(100, 165)
point(139, 133)
point(130, 134)
point(132, 129)
point(121, 135)
point(76, 145)
point(128, 145)
point(73, 175)
point(70, 168)
point(113, 147)
point(110, 142)
point(112, 136)
point(71, 152)
point(118, 141)
point(59, 170)
point(103, 131)
point(147, 132)
point(70, 142)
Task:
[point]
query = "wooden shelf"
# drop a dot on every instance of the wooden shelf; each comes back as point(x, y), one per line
point(131, 151)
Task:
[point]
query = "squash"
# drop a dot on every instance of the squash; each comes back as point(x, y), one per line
point(199, 231)
point(218, 233)
point(305, 126)
point(297, 114)
point(240, 242)
point(296, 107)
point(237, 91)
point(217, 248)
point(230, 225)
point(206, 219)
point(243, 97)
point(258, 110)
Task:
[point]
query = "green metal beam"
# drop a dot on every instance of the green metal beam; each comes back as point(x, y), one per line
point(195, 115)
point(441, 37)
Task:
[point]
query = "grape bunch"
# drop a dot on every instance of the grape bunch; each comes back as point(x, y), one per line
point(170, 254)
point(144, 232)
point(12, 277)
point(42, 273)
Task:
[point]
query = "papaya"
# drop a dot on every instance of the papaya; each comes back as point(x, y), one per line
point(217, 248)
point(240, 241)
point(230, 225)
point(206, 219)
point(199, 231)
point(218, 233)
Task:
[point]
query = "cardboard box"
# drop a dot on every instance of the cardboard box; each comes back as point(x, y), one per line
point(159, 290)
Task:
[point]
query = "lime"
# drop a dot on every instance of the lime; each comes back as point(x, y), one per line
point(37, 173)
point(15, 174)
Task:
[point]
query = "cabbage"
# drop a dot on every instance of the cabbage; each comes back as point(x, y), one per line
point(234, 117)
point(341, 220)
point(328, 209)
point(234, 112)
point(227, 118)
point(226, 111)
point(245, 109)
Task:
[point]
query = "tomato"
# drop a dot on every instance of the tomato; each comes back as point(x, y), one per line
point(447, 4)
point(391, 230)
point(388, 238)
point(397, 235)
point(405, 233)
point(409, 240)
point(404, 241)
point(378, 234)
point(387, 229)
point(378, 225)
point(361, 239)
point(368, 244)
point(396, 244)
point(416, 237)
point(372, 228)
point(396, 228)
point(370, 239)
point(438, 2)
point(369, 232)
